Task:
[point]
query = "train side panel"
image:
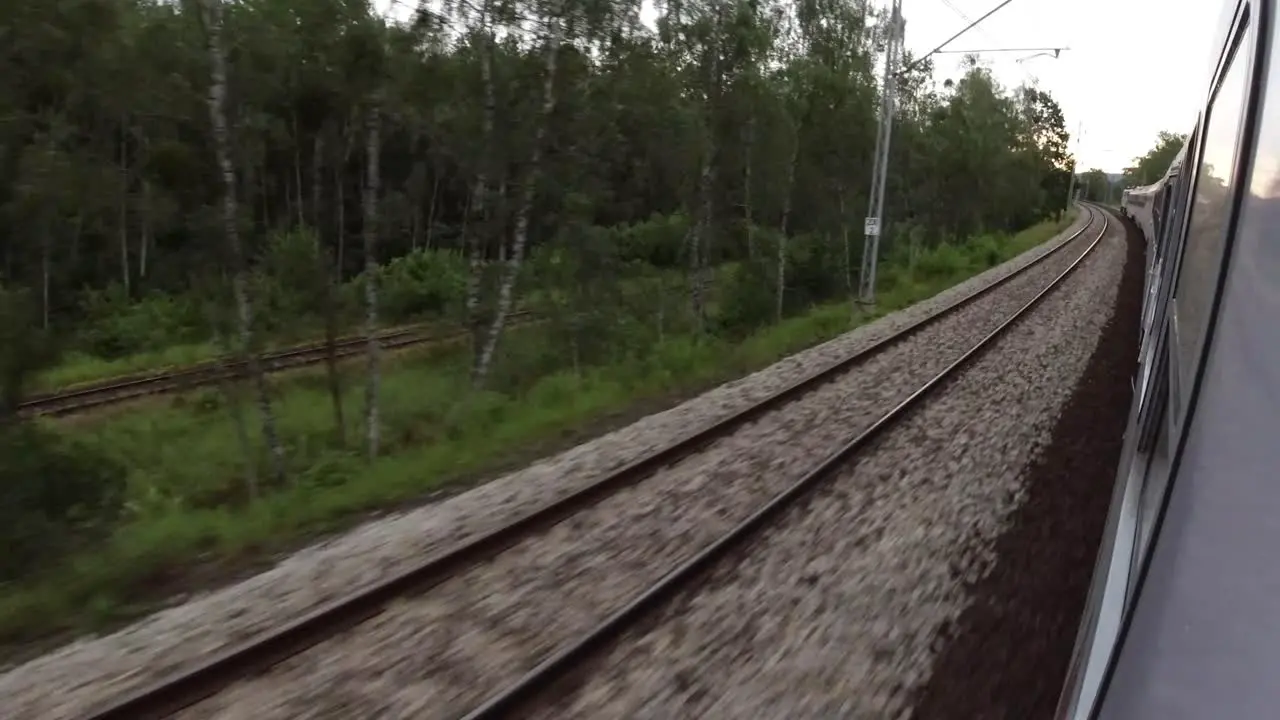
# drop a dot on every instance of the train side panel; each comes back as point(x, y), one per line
point(1181, 617)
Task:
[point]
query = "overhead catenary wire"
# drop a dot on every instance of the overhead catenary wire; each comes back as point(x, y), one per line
point(1026, 73)
point(961, 14)
point(994, 50)
point(948, 41)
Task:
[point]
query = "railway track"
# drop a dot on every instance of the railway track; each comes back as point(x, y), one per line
point(131, 387)
point(528, 696)
point(708, 492)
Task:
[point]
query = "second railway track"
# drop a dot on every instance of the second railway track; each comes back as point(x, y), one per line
point(123, 389)
point(475, 628)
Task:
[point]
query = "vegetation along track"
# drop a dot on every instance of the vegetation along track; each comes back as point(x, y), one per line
point(122, 389)
point(488, 622)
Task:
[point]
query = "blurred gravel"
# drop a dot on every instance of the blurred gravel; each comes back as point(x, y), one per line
point(491, 625)
point(1006, 656)
point(834, 611)
point(649, 527)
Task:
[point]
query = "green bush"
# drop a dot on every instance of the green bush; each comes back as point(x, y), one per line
point(524, 358)
point(53, 492)
point(987, 250)
point(815, 274)
point(584, 285)
point(290, 281)
point(115, 327)
point(748, 297)
point(815, 271)
point(24, 348)
point(658, 241)
point(941, 261)
point(422, 283)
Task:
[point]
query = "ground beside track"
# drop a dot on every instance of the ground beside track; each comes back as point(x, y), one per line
point(490, 625)
point(1006, 655)
point(834, 609)
point(85, 670)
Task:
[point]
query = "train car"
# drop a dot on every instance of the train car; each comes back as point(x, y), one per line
point(1153, 210)
point(1138, 203)
point(1181, 619)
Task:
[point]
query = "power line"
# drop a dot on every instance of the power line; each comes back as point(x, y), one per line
point(966, 18)
point(1054, 50)
point(1025, 72)
point(947, 42)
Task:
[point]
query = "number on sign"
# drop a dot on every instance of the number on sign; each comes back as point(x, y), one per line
point(871, 226)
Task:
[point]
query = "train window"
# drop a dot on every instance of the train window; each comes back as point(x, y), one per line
point(1210, 215)
point(1154, 437)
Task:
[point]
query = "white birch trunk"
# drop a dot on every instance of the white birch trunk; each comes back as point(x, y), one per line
point(479, 190)
point(786, 218)
point(372, 148)
point(696, 243)
point(144, 240)
point(521, 235)
point(124, 210)
point(749, 144)
point(211, 14)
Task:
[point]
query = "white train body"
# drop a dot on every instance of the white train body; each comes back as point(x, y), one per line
point(1181, 618)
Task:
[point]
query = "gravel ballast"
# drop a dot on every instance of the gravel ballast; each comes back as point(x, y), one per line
point(489, 626)
point(1006, 656)
point(85, 673)
point(835, 610)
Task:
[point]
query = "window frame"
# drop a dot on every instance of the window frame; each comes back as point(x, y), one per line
point(1179, 391)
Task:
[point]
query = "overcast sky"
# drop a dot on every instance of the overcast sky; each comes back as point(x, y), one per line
point(1103, 82)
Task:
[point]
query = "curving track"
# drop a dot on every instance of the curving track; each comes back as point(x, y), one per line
point(1007, 653)
point(632, 649)
point(518, 606)
point(123, 389)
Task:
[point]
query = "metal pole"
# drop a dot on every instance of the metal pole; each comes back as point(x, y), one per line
point(1071, 185)
point(872, 225)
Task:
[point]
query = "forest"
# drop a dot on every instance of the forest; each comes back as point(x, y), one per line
point(1152, 166)
point(675, 192)
point(1146, 169)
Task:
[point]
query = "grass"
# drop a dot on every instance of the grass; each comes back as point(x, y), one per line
point(78, 368)
point(188, 508)
point(948, 265)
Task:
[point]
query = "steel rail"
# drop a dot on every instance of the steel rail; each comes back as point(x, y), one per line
point(119, 390)
point(189, 686)
point(503, 702)
point(130, 379)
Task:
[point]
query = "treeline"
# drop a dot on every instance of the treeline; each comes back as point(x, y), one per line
point(488, 129)
point(1096, 185)
point(232, 171)
point(1151, 166)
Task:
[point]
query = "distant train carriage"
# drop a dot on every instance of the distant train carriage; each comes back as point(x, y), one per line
point(1137, 204)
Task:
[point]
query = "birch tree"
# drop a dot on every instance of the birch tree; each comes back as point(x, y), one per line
point(211, 16)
